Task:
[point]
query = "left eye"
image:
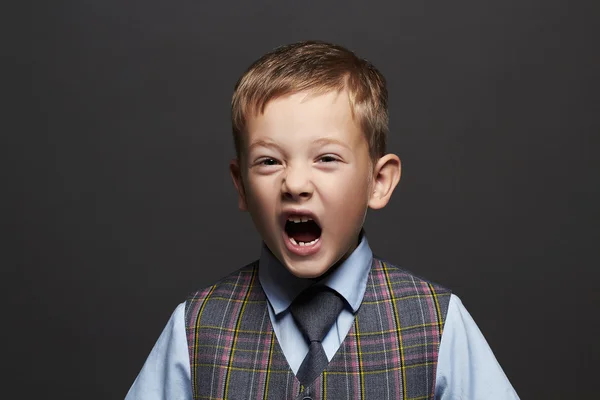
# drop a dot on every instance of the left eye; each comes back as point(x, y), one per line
point(268, 161)
point(328, 159)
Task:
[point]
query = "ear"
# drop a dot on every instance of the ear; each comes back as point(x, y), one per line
point(236, 175)
point(386, 176)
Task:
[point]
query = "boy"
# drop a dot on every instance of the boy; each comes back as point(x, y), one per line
point(318, 316)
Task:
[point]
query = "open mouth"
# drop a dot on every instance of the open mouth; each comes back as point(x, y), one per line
point(302, 230)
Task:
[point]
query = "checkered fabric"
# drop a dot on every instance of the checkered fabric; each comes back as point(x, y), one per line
point(390, 352)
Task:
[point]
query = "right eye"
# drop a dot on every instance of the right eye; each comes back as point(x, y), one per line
point(267, 161)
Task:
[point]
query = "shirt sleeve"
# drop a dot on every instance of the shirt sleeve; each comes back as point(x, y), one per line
point(467, 368)
point(166, 372)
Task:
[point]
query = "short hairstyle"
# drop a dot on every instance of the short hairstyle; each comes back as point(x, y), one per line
point(318, 67)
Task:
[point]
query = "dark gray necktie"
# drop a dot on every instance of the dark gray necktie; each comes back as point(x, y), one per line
point(315, 310)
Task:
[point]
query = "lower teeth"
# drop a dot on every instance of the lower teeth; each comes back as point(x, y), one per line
point(303, 244)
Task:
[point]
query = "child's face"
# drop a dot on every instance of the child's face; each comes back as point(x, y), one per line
point(306, 158)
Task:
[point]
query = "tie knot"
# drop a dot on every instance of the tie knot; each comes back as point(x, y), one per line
point(315, 310)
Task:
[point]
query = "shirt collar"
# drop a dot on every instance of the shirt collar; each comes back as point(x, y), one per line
point(349, 279)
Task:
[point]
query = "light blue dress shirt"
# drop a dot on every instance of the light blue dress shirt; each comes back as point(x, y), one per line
point(467, 368)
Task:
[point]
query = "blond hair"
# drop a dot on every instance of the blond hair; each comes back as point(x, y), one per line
point(318, 67)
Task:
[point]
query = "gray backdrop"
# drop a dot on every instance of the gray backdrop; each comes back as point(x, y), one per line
point(120, 201)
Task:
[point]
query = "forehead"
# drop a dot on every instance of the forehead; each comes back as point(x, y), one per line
point(305, 117)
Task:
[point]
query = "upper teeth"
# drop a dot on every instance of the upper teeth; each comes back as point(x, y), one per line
point(299, 219)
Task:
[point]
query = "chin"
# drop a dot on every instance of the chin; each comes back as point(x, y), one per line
point(307, 272)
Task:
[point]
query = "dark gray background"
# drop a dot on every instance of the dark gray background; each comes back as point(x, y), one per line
point(120, 201)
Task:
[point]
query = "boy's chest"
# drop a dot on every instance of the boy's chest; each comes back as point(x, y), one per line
point(390, 350)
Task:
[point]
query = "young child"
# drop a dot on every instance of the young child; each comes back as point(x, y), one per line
point(317, 316)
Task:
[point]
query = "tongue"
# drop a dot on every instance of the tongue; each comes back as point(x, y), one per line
point(304, 237)
point(304, 231)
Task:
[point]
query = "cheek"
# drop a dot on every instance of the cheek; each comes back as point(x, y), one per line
point(348, 194)
point(356, 183)
point(260, 196)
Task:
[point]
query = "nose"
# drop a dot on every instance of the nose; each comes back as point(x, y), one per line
point(297, 183)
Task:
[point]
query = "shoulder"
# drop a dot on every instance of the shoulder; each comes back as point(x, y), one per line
point(467, 367)
point(409, 291)
point(231, 287)
point(399, 274)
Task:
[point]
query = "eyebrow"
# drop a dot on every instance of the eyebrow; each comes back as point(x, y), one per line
point(264, 143)
point(326, 140)
point(318, 142)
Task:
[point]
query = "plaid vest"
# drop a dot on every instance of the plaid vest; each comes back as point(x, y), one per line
point(389, 353)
